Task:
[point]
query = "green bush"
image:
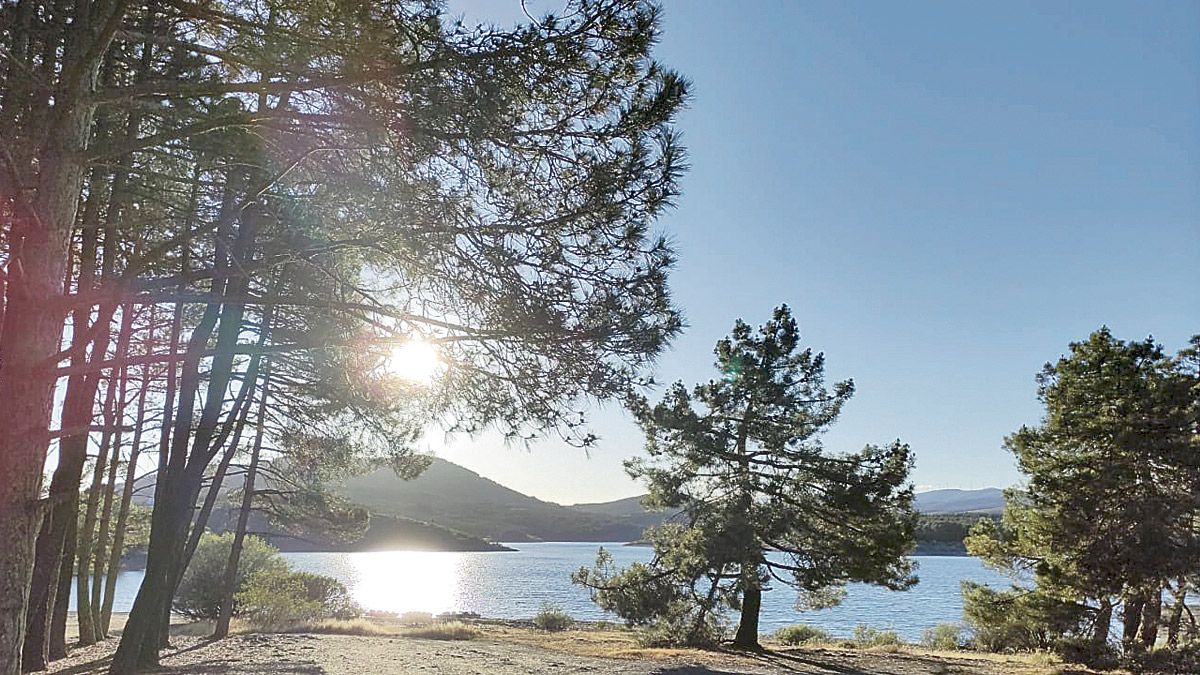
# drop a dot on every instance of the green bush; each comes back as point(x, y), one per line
point(679, 625)
point(943, 637)
point(199, 593)
point(274, 598)
point(1102, 656)
point(802, 634)
point(1184, 658)
point(552, 618)
point(1017, 619)
point(662, 609)
point(865, 636)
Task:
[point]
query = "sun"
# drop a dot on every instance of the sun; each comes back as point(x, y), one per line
point(417, 361)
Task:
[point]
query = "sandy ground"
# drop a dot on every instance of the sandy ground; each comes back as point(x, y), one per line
point(518, 651)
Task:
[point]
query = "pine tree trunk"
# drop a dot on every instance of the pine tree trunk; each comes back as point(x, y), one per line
point(83, 606)
point(57, 646)
point(33, 321)
point(1103, 622)
point(747, 632)
point(78, 402)
point(1132, 620)
point(1176, 617)
point(100, 558)
point(145, 631)
point(118, 545)
point(1151, 612)
point(229, 581)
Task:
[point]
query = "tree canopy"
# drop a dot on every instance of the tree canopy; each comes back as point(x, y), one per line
point(762, 501)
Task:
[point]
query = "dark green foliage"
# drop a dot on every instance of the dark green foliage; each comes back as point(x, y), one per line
point(199, 593)
point(802, 634)
point(943, 637)
point(741, 457)
point(946, 528)
point(1017, 619)
point(667, 612)
point(1110, 515)
point(276, 598)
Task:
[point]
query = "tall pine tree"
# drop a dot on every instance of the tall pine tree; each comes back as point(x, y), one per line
point(761, 499)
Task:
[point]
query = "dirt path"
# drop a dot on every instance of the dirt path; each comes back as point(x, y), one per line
point(378, 655)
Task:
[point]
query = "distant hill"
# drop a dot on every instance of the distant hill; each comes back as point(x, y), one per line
point(451, 508)
point(458, 498)
point(986, 500)
point(385, 532)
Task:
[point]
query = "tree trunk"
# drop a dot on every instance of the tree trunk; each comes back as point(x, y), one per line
point(228, 583)
point(179, 486)
point(747, 632)
point(33, 321)
point(57, 646)
point(1176, 617)
point(78, 404)
point(83, 606)
point(118, 545)
point(1132, 620)
point(1151, 612)
point(100, 558)
point(1103, 622)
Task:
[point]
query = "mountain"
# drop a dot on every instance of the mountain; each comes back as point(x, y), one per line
point(460, 499)
point(451, 508)
point(987, 500)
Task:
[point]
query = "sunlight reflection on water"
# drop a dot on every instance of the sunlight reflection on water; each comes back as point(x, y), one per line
point(516, 585)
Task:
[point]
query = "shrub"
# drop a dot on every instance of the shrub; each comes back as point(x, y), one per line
point(335, 600)
point(450, 630)
point(1184, 658)
point(802, 634)
point(1092, 654)
point(865, 636)
point(680, 628)
point(273, 598)
point(662, 609)
point(416, 617)
point(943, 637)
point(1017, 619)
point(552, 618)
point(199, 593)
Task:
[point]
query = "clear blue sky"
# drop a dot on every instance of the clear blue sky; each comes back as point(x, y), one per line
point(946, 193)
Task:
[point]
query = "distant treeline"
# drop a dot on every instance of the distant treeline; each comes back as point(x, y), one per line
point(947, 529)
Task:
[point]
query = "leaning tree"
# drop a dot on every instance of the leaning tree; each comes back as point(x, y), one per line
point(761, 500)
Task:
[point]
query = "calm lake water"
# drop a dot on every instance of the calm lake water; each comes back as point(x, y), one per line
point(515, 585)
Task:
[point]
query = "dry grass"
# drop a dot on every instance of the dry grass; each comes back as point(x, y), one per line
point(587, 640)
point(449, 630)
point(365, 627)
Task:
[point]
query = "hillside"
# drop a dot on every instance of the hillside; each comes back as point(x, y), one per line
point(986, 500)
point(460, 499)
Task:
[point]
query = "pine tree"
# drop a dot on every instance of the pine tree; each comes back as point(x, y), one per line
point(762, 500)
point(1108, 517)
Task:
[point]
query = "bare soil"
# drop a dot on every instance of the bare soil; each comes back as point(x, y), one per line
point(507, 650)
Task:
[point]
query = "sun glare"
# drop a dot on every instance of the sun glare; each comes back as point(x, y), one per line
point(416, 361)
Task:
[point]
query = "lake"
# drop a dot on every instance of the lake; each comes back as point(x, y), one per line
point(515, 585)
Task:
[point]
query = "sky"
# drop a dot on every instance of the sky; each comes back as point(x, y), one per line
point(946, 194)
